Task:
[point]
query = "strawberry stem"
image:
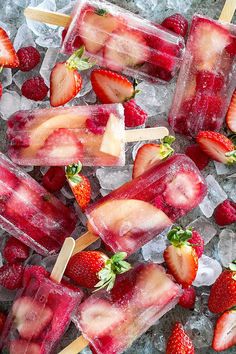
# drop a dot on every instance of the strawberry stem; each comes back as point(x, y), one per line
point(77, 61)
point(231, 157)
point(101, 12)
point(166, 149)
point(72, 172)
point(178, 236)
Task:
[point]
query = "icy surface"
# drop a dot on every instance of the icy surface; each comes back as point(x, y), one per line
point(227, 247)
point(113, 178)
point(205, 228)
point(208, 271)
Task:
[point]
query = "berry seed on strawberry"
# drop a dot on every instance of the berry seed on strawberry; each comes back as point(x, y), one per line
point(34, 89)
point(15, 251)
point(29, 57)
point(179, 342)
point(225, 213)
point(54, 179)
point(197, 242)
point(8, 56)
point(225, 331)
point(187, 300)
point(134, 114)
point(176, 23)
point(11, 276)
point(198, 156)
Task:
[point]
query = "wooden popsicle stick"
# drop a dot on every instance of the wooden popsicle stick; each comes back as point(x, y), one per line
point(228, 11)
point(145, 134)
point(76, 346)
point(52, 18)
point(62, 259)
point(84, 241)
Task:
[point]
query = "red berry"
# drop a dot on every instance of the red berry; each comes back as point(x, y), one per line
point(176, 23)
point(15, 251)
point(34, 271)
point(198, 156)
point(29, 57)
point(198, 243)
point(35, 88)
point(188, 298)
point(0, 89)
point(179, 342)
point(54, 179)
point(97, 124)
point(2, 321)
point(207, 80)
point(225, 213)
point(134, 115)
point(11, 276)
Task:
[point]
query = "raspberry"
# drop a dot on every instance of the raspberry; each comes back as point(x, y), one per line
point(188, 298)
point(34, 271)
point(176, 23)
point(98, 123)
point(3, 318)
point(197, 155)
point(225, 213)
point(231, 48)
point(35, 89)
point(11, 276)
point(54, 179)
point(134, 115)
point(208, 80)
point(0, 89)
point(198, 243)
point(15, 251)
point(29, 57)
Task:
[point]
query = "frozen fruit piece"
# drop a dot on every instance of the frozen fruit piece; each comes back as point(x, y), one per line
point(225, 331)
point(223, 291)
point(21, 346)
point(95, 28)
point(35, 272)
point(176, 23)
point(207, 80)
point(225, 213)
point(54, 179)
point(134, 114)
point(11, 276)
point(30, 317)
point(15, 251)
point(197, 242)
point(9, 179)
point(231, 114)
point(35, 88)
point(111, 87)
point(126, 48)
point(217, 146)
point(8, 56)
point(111, 142)
point(179, 342)
point(198, 156)
point(93, 310)
point(188, 298)
point(29, 57)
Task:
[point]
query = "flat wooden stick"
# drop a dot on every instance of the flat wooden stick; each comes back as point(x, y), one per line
point(84, 241)
point(52, 18)
point(228, 11)
point(145, 134)
point(62, 259)
point(76, 346)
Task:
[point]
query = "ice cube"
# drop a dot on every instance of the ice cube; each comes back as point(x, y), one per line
point(9, 104)
point(21, 3)
point(104, 192)
point(230, 188)
point(20, 77)
point(24, 38)
point(181, 6)
point(48, 63)
point(6, 77)
point(205, 228)
point(222, 169)
point(227, 247)
point(112, 178)
point(146, 6)
point(51, 40)
point(154, 249)
point(208, 271)
point(214, 197)
point(200, 330)
point(42, 29)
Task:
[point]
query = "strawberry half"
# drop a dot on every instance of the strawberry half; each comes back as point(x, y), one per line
point(111, 87)
point(180, 257)
point(217, 146)
point(231, 114)
point(65, 80)
point(225, 331)
point(8, 56)
point(179, 342)
point(149, 155)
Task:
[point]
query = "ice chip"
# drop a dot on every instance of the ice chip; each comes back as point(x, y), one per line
point(222, 169)
point(208, 271)
point(48, 63)
point(9, 104)
point(205, 228)
point(227, 247)
point(42, 28)
point(24, 38)
point(113, 178)
point(200, 330)
point(6, 77)
point(153, 250)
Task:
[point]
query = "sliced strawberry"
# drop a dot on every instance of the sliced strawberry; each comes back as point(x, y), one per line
point(125, 48)
point(8, 56)
point(95, 28)
point(147, 156)
point(225, 331)
point(183, 190)
point(111, 87)
point(98, 317)
point(20, 346)
point(216, 146)
point(30, 317)
point(61, 144)
point(231, 114)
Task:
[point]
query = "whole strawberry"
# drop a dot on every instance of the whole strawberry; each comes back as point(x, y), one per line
point(2, 321)
point(176, 23)
point(134, 114)
point(79, 184)
point(225, 213)
point(94, 269)
point(179, 342)
point(187, 300)
point(11, 276)
point(15, 251)
point(223, 291)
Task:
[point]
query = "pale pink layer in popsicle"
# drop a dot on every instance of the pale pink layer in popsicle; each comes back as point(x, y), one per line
point(112, 321)
point(133, 214)
point(122, 41)
point(207, 78)
point(30, 213)
point(93, 135)
point(40, 315)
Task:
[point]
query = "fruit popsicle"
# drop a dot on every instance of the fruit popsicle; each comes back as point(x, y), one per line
point(118, 39)
point(207, 77)
point(135, 213)
point(94, 135)
point(112, 321)
point(42, 310)
point(30, 213)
